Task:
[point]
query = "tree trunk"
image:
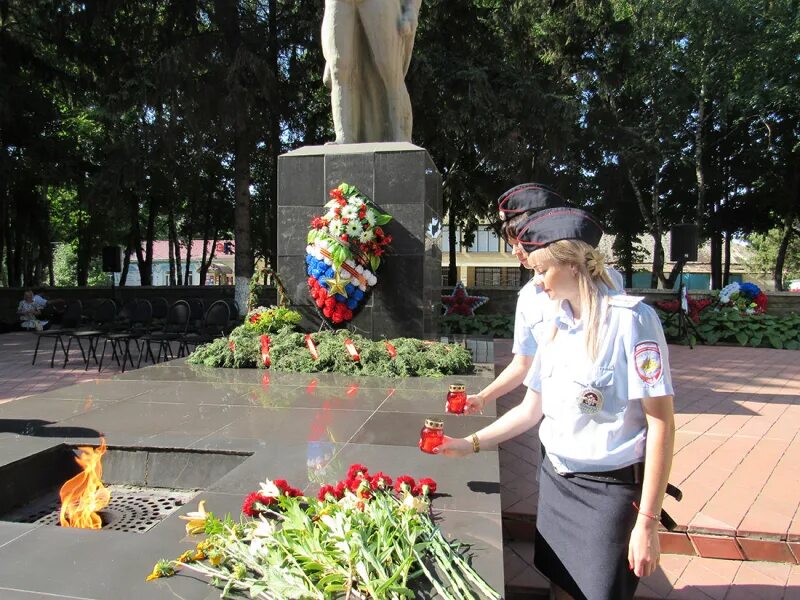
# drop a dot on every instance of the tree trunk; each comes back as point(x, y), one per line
point(452, 236)
point(171, 235)
point(273, 146)
point(188, 263)
point(126, 263)
point(146, 268)
point(238, 117)
point(726, 273)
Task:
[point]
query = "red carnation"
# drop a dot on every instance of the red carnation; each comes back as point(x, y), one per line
point(345, 220)
point(340, 488)
point(256, 503)
point(330, 302)
point(281, 484)
point(320, 302)
point(327, 312)
point(325, 491)
point(425, 487)
point(345, 237)
point(312, 281)
point(381, 481)
point(404, 483)
point(357, 471)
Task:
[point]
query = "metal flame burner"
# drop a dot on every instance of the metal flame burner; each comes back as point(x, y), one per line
point(132, 509)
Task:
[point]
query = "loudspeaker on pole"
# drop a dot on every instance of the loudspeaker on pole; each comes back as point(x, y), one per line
point(112, 259)
point(683, 242)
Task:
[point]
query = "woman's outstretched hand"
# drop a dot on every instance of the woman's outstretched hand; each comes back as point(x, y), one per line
point(454, 447)
point(475, 404)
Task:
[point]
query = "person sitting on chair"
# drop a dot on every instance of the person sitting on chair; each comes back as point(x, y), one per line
point(29, 309)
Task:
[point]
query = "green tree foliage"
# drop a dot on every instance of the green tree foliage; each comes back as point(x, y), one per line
point(123, 123)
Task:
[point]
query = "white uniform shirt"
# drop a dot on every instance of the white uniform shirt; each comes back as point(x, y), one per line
point(632, 363)
point(534, 308)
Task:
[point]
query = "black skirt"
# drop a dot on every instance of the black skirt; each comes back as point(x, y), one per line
point(583, 529)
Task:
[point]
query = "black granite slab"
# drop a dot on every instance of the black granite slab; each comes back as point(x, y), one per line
point(306, 428)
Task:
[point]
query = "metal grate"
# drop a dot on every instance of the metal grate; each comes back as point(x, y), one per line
point(132, 509)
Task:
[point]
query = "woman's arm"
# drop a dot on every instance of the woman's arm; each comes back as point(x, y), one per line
point(644, 549)
point(511, 378)
point(519, 419)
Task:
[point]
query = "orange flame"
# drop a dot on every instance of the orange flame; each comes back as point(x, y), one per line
point(84, 495)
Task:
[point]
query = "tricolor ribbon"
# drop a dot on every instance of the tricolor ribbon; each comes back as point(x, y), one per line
point(311, 347)
point(265, 350)
point(351, 349)
point(353, 273)
point(390, 349)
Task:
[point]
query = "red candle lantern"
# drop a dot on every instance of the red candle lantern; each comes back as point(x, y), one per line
point(431, 436)
point(456, 398)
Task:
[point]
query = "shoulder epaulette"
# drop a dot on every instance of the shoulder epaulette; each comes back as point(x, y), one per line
point(624, 301)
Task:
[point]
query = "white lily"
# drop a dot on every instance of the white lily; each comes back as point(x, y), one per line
point(269, 489)
point(414, 503)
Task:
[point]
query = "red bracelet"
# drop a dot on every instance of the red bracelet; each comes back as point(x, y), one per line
point(645, 514)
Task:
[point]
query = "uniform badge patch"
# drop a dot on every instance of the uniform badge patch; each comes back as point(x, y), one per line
point(590, 400)
point(647, 358)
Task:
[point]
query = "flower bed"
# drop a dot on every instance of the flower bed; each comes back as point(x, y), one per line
point(361, 538)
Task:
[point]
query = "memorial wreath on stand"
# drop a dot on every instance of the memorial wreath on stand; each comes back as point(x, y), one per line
point(344, 251)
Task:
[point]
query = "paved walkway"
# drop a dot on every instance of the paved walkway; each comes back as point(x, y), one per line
point(18, 378)
point(737, 460)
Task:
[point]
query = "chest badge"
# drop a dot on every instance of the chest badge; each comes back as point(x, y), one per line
point(590, 400)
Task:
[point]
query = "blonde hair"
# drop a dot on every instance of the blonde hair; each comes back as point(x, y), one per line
point(590, 270)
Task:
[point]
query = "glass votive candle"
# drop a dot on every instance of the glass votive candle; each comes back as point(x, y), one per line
point(431, 436)
point(456, 398)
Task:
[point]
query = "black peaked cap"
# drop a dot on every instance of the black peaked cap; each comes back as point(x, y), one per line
point(527, 196)
point(555, 224)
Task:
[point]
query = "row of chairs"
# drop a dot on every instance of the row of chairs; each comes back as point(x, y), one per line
point(143, 322)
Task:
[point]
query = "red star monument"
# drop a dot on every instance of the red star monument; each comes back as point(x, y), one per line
point(461, 303)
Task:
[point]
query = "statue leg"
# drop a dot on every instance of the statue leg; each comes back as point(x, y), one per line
point(339, 48)
point(389, 50)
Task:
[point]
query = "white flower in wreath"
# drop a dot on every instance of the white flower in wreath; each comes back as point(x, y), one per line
point(366, 236)
point(356, 201)
point(336, 228)
point(331, 216)
point(371, 217)
point(350, 212)
point(354, 229)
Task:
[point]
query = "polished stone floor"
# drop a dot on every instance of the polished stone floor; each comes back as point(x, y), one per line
point(304, 428)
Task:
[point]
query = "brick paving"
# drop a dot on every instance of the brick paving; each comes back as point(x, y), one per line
point(19, 379)
point(737, 460)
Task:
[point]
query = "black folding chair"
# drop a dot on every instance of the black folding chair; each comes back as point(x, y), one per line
point(101, 324)
point(69, 321)
point(139, 325)
point(215, 323)
point(175, 327)
point(198, 309)
point(160, 309)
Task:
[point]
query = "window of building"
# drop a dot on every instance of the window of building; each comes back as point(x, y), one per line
point(487, 276)
point(486, 240)
point(497, 277)
point(511, 277)
point(189, 278)
point(445, 272)
point(446, 239)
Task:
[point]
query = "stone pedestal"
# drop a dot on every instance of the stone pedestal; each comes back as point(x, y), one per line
point(400, 179)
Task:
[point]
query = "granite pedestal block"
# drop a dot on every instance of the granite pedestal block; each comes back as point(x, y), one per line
point(400, 179)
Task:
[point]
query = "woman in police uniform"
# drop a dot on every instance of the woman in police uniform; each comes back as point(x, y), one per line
point(601, 380)
point(516, 207)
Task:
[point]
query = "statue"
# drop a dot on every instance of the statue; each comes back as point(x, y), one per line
point(367, 46)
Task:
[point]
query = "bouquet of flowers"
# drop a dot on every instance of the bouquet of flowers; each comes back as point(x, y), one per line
point(360, 538)
point(745, 297)
point(344, 251)
point(269, 320)
point(695, 306)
